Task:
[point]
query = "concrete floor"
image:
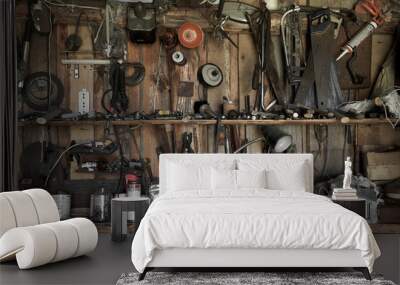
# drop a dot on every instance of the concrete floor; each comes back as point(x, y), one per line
point(103, 266)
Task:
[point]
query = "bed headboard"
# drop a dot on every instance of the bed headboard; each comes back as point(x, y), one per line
point(274, 160)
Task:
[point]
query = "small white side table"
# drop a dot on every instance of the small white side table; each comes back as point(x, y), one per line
point(119, 214)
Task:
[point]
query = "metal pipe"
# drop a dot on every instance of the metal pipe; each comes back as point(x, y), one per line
point(89, 61)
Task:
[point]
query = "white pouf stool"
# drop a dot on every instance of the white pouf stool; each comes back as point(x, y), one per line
point(31, 231)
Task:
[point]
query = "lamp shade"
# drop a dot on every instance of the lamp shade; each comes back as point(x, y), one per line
point(277, 138)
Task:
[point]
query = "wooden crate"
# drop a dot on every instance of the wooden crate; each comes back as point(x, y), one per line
point(382, 165)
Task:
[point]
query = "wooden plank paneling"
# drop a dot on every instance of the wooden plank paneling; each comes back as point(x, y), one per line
point(246, 62)
point(133, 92)
point(383, 172)
point(216, 51)
point(219, 53)
point(237, 66)
point(149, 103)
point(383, 158)
point(377, 135)
point(81, 134)
point(234, 71)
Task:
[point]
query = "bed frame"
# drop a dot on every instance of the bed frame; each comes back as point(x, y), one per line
point(246, 259)
point(241, 259)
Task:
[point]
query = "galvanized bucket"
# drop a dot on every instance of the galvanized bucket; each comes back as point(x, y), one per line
point(63, 202)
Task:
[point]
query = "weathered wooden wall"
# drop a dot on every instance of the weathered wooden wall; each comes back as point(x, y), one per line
point(237, 66)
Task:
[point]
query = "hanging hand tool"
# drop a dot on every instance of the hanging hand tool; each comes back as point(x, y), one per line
point(236, 11)
point(232, 138)
point(164, 138)
point(74, 41)
point(260, 27)
point(337, 21)
point(319, 87)
point(219, 31)
point(227, 140)
point(293, 48)
point(285, 39)
point(187, 142)
point(40, 14)
point(357, 39)
point(371, 7)
point(170, 132)
point(185, 94)
point(220, 137)
point(27, 43)
point(356, 78)
point(377, 19)
point(258, 83)
point(230, 10)
point(23, 69)
point(118, 102)
point(389, 69)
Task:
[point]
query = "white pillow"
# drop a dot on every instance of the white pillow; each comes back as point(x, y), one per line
point(282, 174)
point(183, 177)
point(251, 178)
point(223, 179)
point(293, 179)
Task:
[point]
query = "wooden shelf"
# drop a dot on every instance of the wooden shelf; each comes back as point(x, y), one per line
point(212, 122)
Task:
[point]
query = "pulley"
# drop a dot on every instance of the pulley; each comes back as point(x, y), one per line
point(36, 91)
point(210, 75)
point(169, 39)
point(190, 35)
point(178, 58)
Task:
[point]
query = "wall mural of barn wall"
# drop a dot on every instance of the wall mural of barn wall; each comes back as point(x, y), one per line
point(159, 90)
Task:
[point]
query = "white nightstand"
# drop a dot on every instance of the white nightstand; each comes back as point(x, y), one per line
point(119, 214)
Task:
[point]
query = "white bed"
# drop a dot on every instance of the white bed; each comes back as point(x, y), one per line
point(202, 220)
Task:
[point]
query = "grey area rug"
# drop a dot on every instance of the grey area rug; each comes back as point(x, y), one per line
point(243, 278)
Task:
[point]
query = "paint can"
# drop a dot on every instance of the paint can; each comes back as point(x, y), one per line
point(63, 202)
point(133, 185)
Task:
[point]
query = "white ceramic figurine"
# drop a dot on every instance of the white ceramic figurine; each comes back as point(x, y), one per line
point(347, 174)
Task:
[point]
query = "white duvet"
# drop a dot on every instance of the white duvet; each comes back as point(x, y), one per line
point(250, 219)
